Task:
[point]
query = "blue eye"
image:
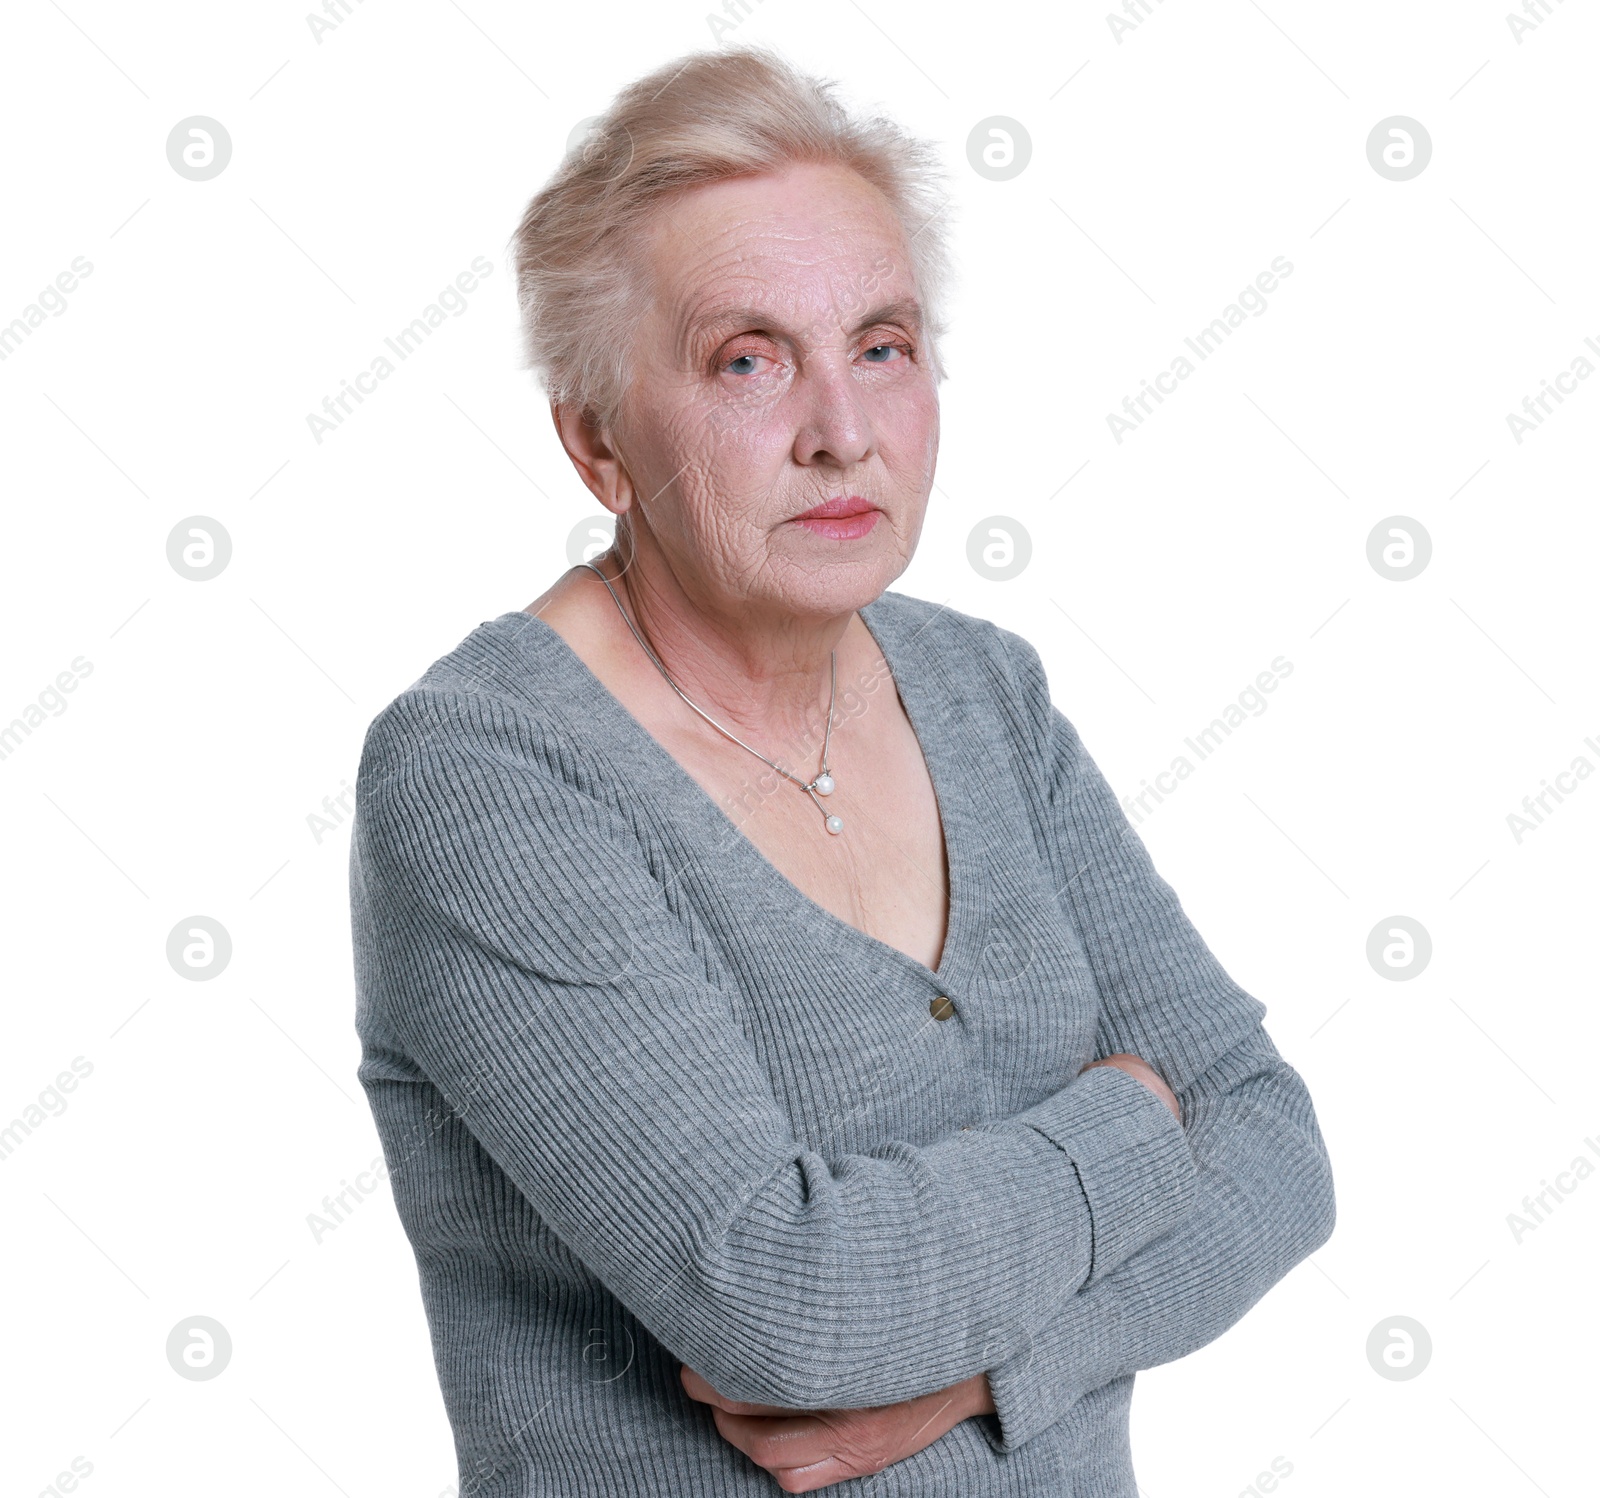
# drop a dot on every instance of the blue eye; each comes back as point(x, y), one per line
point(748, 360)
point(880, 348)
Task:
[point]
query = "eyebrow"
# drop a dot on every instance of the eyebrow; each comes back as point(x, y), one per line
point(905, 310)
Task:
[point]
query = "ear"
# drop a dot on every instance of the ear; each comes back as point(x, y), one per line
point(599, 464)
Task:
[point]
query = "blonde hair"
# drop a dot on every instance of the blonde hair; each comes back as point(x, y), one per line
point(707, 117)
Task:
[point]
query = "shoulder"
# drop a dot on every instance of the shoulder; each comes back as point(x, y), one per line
point(485, 750)
point(502, 685)
point(981, 686)
point(962, 654)
point(477, 798)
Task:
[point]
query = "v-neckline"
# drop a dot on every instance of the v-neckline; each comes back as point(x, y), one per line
point(966, 886)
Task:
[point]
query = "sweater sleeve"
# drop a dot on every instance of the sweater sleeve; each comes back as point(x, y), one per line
point(1265, 1201)
point(537, 958)
point(1264, 1198)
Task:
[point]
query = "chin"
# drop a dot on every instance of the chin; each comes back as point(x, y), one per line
point(840, 583)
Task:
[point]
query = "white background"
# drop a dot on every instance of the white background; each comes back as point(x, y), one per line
point(1167, 170)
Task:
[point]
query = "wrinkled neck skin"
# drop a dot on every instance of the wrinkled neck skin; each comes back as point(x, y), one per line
point(757, 670)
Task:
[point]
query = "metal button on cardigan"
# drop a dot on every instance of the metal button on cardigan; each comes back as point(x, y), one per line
point(941, 1008)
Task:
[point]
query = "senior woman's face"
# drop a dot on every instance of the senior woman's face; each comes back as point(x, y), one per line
point(781, 368)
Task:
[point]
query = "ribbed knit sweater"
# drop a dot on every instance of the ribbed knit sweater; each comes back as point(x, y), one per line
point(644, 1102)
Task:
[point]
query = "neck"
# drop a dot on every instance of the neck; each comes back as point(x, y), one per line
point(751, 668)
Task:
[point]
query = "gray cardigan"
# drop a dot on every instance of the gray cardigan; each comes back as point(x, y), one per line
point(644, 1102)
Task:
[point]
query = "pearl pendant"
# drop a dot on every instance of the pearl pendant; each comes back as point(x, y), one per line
point(834, 824)
point(824, 785)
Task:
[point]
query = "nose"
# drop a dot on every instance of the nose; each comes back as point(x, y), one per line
point(835, 428)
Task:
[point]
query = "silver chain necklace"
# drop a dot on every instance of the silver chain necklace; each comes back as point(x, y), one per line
point(821, 784)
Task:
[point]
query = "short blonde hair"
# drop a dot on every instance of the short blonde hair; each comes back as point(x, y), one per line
point(707, 117)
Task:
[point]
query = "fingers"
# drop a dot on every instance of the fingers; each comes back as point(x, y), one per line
point(818, 1475)
point(805, 1451)
point(777, 1442)
point(793, 1445)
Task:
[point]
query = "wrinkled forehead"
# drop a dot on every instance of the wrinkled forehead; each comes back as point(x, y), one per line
point(806, 253)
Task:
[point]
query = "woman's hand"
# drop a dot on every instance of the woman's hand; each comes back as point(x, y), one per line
point(810, 1449)
point(1141, 1071)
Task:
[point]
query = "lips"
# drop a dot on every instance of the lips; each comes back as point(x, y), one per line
point(847, 504)
point(845, 518)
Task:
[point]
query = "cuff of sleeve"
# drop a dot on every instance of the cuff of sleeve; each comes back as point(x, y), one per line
point(1132, 1157)
point(1077, 1351)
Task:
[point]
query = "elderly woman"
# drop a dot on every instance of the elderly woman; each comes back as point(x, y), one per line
point(792, 1070)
